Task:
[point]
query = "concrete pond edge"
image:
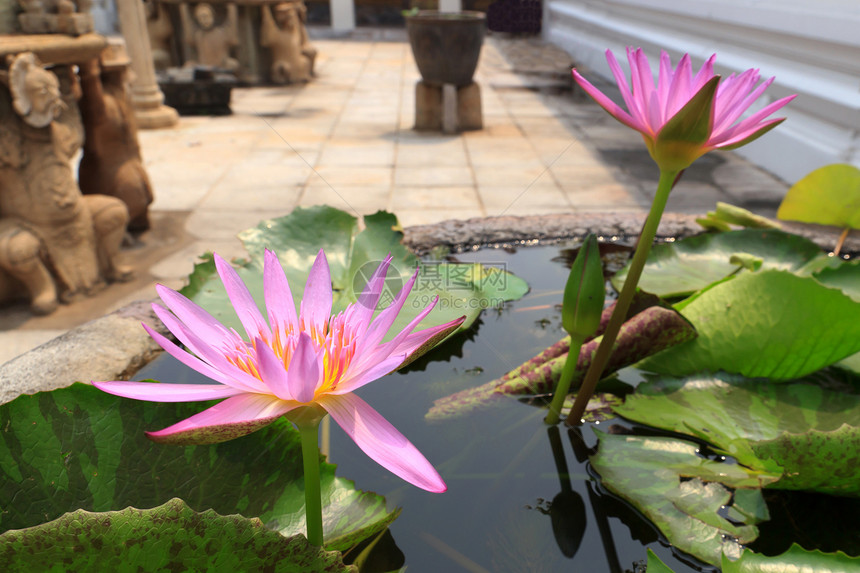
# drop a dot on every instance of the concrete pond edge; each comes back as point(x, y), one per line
point(115, 346)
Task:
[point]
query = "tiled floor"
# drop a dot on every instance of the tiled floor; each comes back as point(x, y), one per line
point(346, 140)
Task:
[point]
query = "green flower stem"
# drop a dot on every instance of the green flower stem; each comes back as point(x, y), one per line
point(564, 382)
point(309, 431)
point(601, 356)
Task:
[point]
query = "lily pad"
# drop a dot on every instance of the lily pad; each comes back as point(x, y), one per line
point(769, 324)
point(827, 196)
point(795, 560)
point(656, 565)
point(681, 268)
point(681, 492)
point(806, 431)
point(80, 448)
point(353, 254)
point(170, 537)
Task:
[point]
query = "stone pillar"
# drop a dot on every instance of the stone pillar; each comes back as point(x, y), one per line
point(450, 5)
point(146, 97)
point(342, 15)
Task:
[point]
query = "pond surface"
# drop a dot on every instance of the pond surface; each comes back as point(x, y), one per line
point(507, 508)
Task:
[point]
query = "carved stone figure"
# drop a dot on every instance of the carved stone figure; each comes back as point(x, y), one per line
point(56, 16)
point(111, 164)
point(212, 42)
point(52, 238)
point(160, 31)
point(285, 35)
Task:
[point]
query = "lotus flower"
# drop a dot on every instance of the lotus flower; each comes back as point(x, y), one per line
point(683, 117)
point(291, 362)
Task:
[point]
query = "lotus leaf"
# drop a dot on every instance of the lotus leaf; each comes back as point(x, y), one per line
point(770, 324)
point(78, 447)
point(353, 254)
point(683, 267)
point(680, 491)
point(170, 537)
point(810, 431)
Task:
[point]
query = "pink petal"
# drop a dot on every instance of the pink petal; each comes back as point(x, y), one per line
point(195, 363)
point(381, 441)
point(382, 323)
point(272, 371)
point(623, 86)
point(211, 355)
point(303, 373)
point(280, 304)
point(705, 74)
point(353, 381)
point(416, 340)
point(197, 319)
point(611, 107)
point(680, 91)
point(243, 303)
point(232, 418)
point(369, 297)
point(316, 302)
point(159, 392)
point(750, 125)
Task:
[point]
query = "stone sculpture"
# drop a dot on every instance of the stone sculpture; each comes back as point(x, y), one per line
point(55, 244)
point(112, 164)
point(283, 32)
point(211, 42)
point(160, 31)
point(56, 16)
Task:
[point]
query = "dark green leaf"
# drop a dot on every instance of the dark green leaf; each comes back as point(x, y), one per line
point(677, 489)
point(806, 430)
point(770, 324)
point(170, 537)
point(79, 447)
point(686, 266)
point(796, 559)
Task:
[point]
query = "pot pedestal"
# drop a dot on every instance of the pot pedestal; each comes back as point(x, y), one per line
point(448, 108)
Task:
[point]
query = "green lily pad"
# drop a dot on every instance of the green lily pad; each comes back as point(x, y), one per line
point(795, 560)
point(679, 491)
point(353, 254)
point(806, 431)
point(80, 448)
point(827, 196)
point(656, 565)
point(681, 268)
point(769, 324)
point(170, 537)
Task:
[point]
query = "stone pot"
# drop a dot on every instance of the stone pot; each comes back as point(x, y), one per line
point(446, 46)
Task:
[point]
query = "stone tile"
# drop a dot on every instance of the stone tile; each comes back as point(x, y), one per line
point(433, 197)
point(181, 263)
point(422, 149)
point(409, 217)
point(19, 341)
point(432, 176)
point(499, 176)
point(517, 200)
point(608, 197)
point(252, 176)
point(355, 200)
point(180, 185)
point(344, 152)
point(580, 177)
point(501, 151)
point(218, 224)
point(226, 197)
point(335, 176)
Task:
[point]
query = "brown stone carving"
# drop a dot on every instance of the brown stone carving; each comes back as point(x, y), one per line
point(54, 242)
point(211, 41)
point(160, 31)
point(283, 32)
point(56, 17)
point(112, 164)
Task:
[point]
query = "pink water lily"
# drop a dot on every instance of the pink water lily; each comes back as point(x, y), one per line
point(682, 116)
point(291, 361)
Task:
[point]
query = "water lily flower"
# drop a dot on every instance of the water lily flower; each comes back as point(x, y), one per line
point(294, 362)
point(682, 117)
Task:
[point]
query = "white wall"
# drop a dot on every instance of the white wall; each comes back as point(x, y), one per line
point(811, 46)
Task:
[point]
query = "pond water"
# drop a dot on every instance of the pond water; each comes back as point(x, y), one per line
point(510, 505)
